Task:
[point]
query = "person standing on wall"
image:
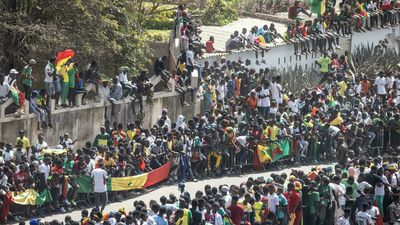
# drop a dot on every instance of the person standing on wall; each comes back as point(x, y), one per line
point(27, 80)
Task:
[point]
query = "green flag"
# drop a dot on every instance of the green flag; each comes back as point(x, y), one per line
point(44, 197)
point(279, 149)
point(84, 183)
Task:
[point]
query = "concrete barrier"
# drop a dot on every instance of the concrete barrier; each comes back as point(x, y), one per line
point(83, 123)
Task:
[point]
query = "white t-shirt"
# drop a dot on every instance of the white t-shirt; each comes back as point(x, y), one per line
point(123, 78)
point(8, 156)
point(4, 89)
point(228, 200)
point(363, 218)
point(374, 212)
point(273, 201)
point(393, 180)
point(189, 58)
point(251, 37)
point(221, 91)
point(218, 219)
point(276, 92)
point(381, 190)
point(333, 131)
point(48, 71)
point(380, 85)
point(100, 180)
point(343, 221)
point(45, 169)
point(293, 107)
point(41, 146)
point(263, 102)
point(389, 82)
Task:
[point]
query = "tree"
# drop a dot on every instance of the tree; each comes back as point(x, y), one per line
point(95, 29)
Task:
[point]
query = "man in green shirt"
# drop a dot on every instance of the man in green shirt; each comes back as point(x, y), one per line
point(102, 139)
point(325, 198)
point(312, 204)
point(27, 80)
point(71, 83)
point(350, 182)
point(324, 62)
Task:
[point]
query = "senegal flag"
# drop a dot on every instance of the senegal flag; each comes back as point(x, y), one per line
point(317, 7)
point(31, 197)
point(263, 155)
point(127, 183)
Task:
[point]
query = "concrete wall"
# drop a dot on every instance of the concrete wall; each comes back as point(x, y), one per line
point(368, 38)
point(279, 57)
point(283, 57)
point(83, 123)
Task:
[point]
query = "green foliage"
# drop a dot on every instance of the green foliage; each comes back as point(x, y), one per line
point(158, 35)
point(161, 21)
point(99, 30)
point(220, 12)
point(370, 59)
point(296, 79)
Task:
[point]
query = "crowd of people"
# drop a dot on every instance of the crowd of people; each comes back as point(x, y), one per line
point(65, 84)
point(322, 33)
point(344, 119)
point(348, 119)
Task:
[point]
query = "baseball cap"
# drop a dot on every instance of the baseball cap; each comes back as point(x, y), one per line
point(13, 71)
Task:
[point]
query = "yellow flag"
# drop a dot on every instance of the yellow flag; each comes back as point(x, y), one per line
point(128, 183)
point(263, 153)
point(27, 197)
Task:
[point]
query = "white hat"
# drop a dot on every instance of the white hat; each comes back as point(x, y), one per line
point(224, 189)
point(32, 61)
point(13, 71)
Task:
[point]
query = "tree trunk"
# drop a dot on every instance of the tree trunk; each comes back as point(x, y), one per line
point(202, 4)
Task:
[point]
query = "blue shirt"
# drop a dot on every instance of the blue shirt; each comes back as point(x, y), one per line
point(160, 220)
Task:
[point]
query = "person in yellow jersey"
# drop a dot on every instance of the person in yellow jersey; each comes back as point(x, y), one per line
point(245, 204)
point(186, 213)
point(257, 207)
point(272, 131)
point(63, 72)
point(342, 86)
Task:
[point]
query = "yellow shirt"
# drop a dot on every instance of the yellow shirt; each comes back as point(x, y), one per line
point(246, 208)
point(109, 163)
point(169, 145)
point(131, 134)
point(213, 92)
point(274, 132)
point(257, 211)
point(342, 88)
point(25, 142)
point(64, 73)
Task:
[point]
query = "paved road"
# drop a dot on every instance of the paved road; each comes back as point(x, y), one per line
point(155, 194)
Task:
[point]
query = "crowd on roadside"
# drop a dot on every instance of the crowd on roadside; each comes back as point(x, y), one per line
point(362, 192)
point(352, 120)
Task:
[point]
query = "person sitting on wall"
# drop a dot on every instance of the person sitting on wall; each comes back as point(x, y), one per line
point(123, 79)
point(295, 9)
point(183, 87)
point(4, 89)
point(160, 70)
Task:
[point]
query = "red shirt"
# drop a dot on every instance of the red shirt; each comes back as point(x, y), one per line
point(293, 198)
point(210, 46)
point(237, 213)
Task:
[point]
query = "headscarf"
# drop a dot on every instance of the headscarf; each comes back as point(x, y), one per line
point(180, 122)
